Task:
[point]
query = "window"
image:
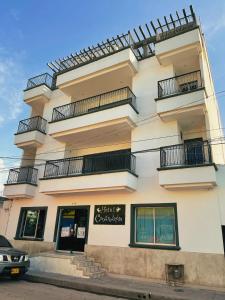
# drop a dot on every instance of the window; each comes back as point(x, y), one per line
point(154, 226)
point(31, 223)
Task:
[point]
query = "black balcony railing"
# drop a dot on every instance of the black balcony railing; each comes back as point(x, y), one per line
point(180, 84)
point(45, 78)
point(176, 26)
point(23, 175)
point(90, 164)
point(34, 123)
point(100, 102)
point(187, 154)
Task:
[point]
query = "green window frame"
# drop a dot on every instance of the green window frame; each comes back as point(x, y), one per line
point(31, 224)
point(154, 226)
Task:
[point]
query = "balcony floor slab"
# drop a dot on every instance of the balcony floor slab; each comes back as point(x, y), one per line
point(191, 177)
point(122, 181)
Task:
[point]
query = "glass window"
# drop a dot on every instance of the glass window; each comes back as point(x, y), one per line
point(155, 225)
point(32, 222)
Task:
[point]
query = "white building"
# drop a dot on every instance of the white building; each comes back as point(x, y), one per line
point(121, 157)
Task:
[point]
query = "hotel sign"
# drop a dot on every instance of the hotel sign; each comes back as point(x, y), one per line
point(109, 214)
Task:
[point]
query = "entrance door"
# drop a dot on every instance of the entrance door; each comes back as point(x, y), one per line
point(72, 228)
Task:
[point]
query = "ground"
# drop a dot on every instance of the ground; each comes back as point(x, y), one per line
point(22, 290)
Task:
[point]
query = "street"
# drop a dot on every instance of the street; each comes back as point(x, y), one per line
point(22, 290)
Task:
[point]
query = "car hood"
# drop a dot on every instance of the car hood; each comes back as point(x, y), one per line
point(11, 251)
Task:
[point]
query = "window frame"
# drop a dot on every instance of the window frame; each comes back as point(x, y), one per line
point(135, 244)
point(22, 222)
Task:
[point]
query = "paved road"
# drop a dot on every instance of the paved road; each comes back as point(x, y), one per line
point(22, 290)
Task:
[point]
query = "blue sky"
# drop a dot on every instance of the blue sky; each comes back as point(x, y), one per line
point(33, 33)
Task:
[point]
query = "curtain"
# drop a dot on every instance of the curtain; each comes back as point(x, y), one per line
point(165, 225)
point(144, 225)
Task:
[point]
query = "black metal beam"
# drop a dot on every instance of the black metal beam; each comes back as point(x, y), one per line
point(86, 53)
point(171, 18)
point(167, 25)
point(53, 67)
point(185, 16)
point(142, 32)
point(100, 47)
point(118, 37)
point(149, 32)
point(61, 66)
point(115, 43)
point(79, 56)
point(74, 57)
point(193, 14)
point(109, 42)
point(92, 52)
point(178, 18)
point(153, 27)
point(160, 25)
point(137, 35)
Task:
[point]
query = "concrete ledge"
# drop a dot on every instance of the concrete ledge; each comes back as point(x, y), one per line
point(33, 247)
point(91, 286)
point(127, 287)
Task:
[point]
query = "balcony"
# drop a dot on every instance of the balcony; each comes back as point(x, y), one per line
point(179, 95)
point(99, 118)
point(187, 166)
point(177, 40)
point(38, 90)
point(21, 183)
point(31, 132)
point(97, 172)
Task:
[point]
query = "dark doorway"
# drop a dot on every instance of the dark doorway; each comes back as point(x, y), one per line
point(194, 151)
point(72, 228)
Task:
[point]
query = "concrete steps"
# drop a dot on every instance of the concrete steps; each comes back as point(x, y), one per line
point(75, 264)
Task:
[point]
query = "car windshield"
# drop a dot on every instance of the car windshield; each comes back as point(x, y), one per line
point(4, 242)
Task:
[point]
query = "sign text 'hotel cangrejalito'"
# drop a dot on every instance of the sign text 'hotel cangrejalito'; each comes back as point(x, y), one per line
point(109, 214)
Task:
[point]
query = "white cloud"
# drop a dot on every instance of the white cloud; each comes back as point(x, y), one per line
point(12, 79)
point(15, 14)
point(215, 26)
point(2, 119)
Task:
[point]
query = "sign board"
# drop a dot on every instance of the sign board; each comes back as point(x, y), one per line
point(109, 214)
point(65, 231)
point(81, 232)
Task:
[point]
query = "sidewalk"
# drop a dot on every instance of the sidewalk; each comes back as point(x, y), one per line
point(126, 287)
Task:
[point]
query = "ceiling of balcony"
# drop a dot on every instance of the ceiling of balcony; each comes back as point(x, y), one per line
point(99, 82)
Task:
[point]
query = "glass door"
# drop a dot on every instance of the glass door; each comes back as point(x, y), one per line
point(72, 229)
point(194, 151)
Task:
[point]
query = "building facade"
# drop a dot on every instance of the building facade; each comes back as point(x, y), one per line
point(121, 157)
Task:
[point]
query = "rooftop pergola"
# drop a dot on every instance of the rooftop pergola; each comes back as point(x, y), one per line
point(140, 40)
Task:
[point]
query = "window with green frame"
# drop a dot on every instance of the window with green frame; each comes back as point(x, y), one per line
point(154, 226)
point(31, 223)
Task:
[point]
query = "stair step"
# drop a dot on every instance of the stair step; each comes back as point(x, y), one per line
point(91, 269)
point(76, 264)
point(95, 274)
point(83, 264)
point(81, 258)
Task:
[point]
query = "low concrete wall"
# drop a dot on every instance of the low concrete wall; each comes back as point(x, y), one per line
point(33, 247)
point(200, 268)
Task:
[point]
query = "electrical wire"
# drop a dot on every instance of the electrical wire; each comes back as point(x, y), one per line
point(24, 158)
